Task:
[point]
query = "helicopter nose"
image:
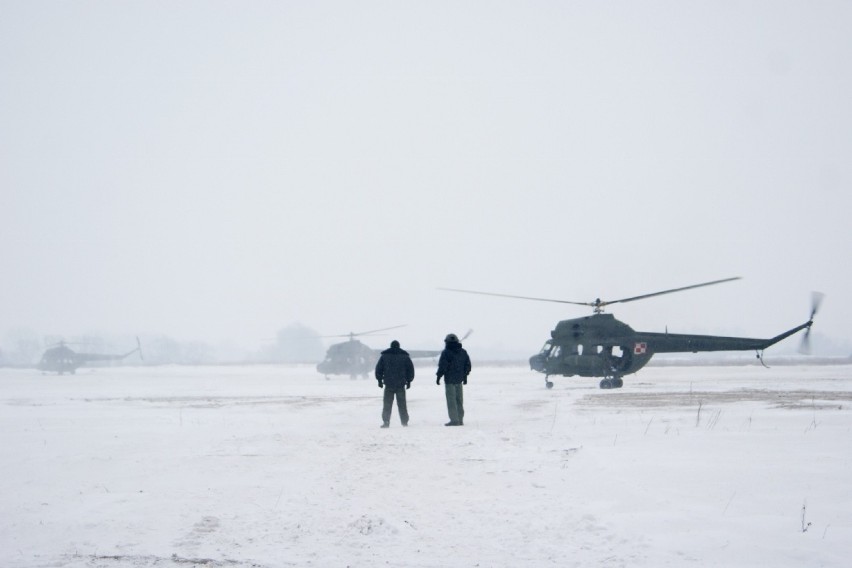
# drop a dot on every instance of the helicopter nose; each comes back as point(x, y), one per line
point(537, 362)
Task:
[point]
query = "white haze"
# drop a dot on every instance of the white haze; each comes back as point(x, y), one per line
point(215, 171)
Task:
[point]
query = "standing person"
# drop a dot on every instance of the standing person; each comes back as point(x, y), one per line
point(394, 371)
point(454, 366)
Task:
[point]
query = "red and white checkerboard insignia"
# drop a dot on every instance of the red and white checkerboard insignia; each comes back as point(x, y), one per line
point(640, 348)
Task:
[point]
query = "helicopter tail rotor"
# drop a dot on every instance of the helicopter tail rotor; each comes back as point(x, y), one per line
point(816, 300)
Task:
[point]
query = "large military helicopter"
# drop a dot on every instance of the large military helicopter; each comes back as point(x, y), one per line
point(355, 359)
point(601, 346)
point(62, 359)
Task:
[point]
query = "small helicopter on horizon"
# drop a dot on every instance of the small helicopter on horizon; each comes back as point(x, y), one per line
point(356, 359)
point(62, 359)
point(602, 346)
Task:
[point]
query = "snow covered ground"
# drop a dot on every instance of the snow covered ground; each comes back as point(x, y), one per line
point(266, 466)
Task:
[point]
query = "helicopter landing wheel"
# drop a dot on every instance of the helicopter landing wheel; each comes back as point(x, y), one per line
point(606, 384)
point(617, 383)
point(548, 384)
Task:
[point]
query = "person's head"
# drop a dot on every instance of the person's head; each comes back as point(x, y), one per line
point(394, 344)
point(451, 338)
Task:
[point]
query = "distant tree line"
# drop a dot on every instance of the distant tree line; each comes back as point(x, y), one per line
point(294, 343)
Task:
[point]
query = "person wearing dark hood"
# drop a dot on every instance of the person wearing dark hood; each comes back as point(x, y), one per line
point(394, 371)
point(454, 367)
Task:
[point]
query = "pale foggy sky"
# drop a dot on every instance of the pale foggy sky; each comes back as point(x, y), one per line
point(219, 170)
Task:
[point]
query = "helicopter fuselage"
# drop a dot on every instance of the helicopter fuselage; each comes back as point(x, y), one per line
point(355, 359)
point(351, 358)
point(593, 346)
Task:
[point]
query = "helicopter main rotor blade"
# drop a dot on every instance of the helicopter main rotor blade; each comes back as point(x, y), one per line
point(517, 297)
point(642, 297)
point(354, 334)
point(598, 304)
point(378, 330)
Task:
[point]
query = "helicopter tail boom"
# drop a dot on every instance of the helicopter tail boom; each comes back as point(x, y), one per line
point(685, 343)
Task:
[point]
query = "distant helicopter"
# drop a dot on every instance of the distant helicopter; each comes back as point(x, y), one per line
point(62, 359)
point(601, 346)
point(355, 359)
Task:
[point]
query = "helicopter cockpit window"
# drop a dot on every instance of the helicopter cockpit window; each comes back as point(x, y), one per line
point(556, 351)
point(547, 347)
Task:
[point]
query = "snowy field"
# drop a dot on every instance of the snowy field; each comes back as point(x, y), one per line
point(267, 466)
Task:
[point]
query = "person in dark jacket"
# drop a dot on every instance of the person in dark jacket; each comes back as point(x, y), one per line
point(454, 367)
point(394, 371)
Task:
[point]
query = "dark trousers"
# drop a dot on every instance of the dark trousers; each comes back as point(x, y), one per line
point(455, 402)
point(399, 392)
